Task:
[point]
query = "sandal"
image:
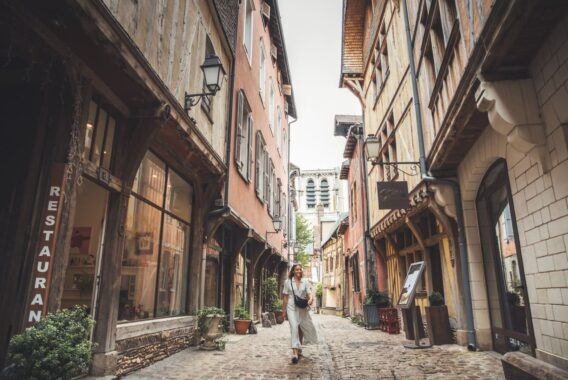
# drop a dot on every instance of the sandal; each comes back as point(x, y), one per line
point(295, 359)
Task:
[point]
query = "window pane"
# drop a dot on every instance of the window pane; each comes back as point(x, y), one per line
point(139, 261)
point(107, 152)
point(179, 194)
point(173, 268)
point(150, 179)
point(90, 128)
point(99, 136)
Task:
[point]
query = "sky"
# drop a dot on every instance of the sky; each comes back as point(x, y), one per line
point(312, 33)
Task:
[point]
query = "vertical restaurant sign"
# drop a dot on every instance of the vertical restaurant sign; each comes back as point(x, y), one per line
point(43, 254)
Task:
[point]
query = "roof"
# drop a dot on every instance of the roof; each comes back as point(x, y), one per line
point(335, 227)
point(344, 173)
point(344, 122)
point(228, 11)
point(277, 35)
point(352, 37)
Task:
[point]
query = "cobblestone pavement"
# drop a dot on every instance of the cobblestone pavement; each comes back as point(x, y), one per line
point(345, 351)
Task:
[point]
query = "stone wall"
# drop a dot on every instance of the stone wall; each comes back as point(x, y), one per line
point(141, 351)
point(540, 195)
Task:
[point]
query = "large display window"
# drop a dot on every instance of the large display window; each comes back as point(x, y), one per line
point(155, 257)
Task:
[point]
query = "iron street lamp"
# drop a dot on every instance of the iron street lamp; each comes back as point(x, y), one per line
point(213, 73)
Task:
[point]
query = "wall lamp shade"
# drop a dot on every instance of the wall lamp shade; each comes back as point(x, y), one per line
point(213, 73)
point(277, 224)
point(372, 147)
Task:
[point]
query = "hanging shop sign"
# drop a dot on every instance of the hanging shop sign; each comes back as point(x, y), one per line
point(49, 230)
point(393, 195)
point(410, 283)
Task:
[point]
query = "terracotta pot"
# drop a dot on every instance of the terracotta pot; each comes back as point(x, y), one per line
point(279, 316)
point(242, 325)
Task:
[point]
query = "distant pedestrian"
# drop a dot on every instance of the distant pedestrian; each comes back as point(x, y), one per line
point(297, 300)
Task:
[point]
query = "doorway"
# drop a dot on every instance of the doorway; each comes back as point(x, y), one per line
point(86, 245)
point(507, 297)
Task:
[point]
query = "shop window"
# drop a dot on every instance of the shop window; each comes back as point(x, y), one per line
point(99, 136)
point(155, 256)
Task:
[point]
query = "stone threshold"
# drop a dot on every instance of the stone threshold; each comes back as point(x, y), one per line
point(139, 328)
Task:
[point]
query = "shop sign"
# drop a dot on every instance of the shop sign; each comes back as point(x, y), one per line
point(50, 222)
point(393, 195)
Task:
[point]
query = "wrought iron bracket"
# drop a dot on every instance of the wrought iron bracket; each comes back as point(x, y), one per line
point(414, 166)
point(190, 99)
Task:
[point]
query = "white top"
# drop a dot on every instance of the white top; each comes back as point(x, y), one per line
point(301, 291)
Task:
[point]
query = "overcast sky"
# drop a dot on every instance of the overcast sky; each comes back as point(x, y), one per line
point(312, 33)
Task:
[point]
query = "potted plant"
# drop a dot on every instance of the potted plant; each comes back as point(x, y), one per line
point(57, 347)
point(319, 295)
point(210, 326)
point(270, 297)
point(438, 320)
point(370, 310)
point(242, 320)
point(278, 313)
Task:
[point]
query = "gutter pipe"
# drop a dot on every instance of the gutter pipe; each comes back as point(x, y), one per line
point(472, 344)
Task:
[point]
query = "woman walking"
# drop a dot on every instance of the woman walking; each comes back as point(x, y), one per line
point(296, 301)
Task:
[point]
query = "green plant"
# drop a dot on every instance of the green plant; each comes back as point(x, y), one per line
point(85, 283)
point(271, 293)
point(436, 299)
point(319, 290)
point(277, 305)
point(221, 343)
point(242, 313)
point(513, 298)
point(57, 347)
point(381, 299)
point(210, 310)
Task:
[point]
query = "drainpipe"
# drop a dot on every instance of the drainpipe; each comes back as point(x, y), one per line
point(289, 205)
point(472, 344)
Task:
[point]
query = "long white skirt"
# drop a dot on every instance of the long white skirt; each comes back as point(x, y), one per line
point(300, 318)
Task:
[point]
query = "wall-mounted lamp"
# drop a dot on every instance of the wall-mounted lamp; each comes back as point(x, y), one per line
point(277, 224)
point(373, 150)
point(213, 73)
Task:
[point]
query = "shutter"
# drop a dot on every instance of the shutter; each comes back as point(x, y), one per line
point(265, 10)
point(257, 164)
point(239, 134)
point(286, 106)
point(266, 173)
point(249, 147)
point(274, 52)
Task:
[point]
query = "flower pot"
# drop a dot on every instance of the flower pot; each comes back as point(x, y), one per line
point(371, 316)
point(242, 325)
point(213, 332)
point(279, 316)
point(438, 324)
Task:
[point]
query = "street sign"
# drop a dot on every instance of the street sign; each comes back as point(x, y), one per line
point(393, 195)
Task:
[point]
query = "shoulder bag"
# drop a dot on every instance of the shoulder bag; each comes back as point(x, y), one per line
point(300, 302)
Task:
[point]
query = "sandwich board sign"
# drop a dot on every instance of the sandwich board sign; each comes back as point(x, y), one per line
point(408, 291)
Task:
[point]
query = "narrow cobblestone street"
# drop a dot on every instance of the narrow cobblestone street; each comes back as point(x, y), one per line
point(345, 351)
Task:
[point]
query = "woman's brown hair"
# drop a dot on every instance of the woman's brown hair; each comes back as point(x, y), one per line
point(291, 274)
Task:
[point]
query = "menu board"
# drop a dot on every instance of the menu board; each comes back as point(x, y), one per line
point(412, 279)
